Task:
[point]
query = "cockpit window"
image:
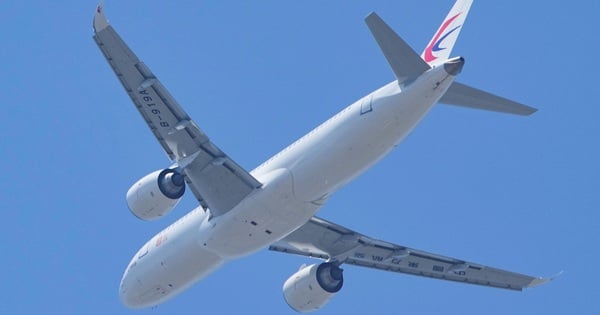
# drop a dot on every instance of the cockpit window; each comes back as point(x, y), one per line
point(143, 252)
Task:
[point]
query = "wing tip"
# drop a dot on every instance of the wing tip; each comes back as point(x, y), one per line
point(100, 21)
point(541, 281)
point(371, 16)
point(526, 111)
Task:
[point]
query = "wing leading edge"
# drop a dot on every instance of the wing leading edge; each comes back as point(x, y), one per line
point(328, 241)
point(215, 179)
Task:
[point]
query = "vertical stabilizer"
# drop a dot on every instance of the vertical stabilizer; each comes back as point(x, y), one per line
point(441, 44)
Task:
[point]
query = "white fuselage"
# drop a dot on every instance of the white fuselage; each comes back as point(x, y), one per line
point(296, 183)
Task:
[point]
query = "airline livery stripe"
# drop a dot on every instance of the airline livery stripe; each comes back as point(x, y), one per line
point(435, 42)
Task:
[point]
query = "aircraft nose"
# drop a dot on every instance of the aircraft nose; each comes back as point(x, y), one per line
point(454, 65)
point(135, 294)
point(124, 289)
point(128, 292)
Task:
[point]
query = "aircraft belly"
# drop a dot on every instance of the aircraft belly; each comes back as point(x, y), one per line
point(269, 214)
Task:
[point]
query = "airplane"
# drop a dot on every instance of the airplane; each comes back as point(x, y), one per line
point(275, 204)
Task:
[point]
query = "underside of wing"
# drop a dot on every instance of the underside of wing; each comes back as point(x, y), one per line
point(328, 241)
point(215, 179)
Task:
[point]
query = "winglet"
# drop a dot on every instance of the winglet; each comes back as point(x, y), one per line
point(539, 281)
point(404, 61)
point(100, 21)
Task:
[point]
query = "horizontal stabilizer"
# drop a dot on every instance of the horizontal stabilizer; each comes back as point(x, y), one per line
point(463, 95)
point(403, 60)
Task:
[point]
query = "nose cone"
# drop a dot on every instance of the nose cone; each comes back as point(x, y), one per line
point(129, 292)
point(125, 292)
point(454, 65)
point(130, 297)
point(136, 294)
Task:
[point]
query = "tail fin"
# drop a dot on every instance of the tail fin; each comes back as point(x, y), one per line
point(441, 44)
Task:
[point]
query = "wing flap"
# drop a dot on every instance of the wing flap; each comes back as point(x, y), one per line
point(326, 240)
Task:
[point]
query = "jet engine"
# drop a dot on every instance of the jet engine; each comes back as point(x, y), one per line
point(156, 194)
point(312, 286)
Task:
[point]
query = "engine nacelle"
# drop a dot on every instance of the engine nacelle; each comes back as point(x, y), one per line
point(312, 286)
point(156, 194)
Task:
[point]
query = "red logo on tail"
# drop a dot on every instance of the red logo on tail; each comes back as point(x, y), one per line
point(435, 42)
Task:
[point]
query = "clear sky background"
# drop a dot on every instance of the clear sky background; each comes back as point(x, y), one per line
point(519, 193)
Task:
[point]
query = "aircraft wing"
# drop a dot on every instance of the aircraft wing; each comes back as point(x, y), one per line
point(216, 180)
point(326, 240)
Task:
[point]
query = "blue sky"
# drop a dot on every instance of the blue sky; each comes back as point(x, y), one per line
point(519, 193)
